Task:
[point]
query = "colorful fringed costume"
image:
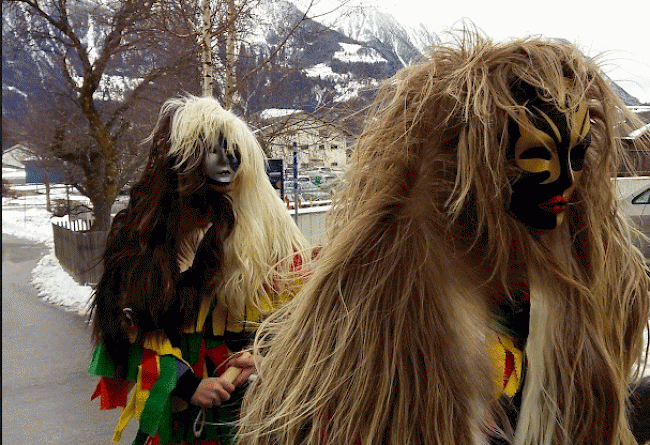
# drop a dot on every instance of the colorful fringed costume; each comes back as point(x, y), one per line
point(191, 267)
point(154, 370)
point(477, 224)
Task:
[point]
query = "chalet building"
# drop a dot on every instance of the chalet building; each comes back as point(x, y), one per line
point(15, 156)
point(320, 142)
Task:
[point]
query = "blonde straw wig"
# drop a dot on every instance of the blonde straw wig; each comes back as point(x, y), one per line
point(265, 238)
point(386, 344)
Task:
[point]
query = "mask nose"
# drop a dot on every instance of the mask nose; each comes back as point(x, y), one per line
point(216, 166)
point(566, 178)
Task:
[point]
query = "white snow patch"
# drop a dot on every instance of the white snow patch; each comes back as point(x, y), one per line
point(323, 71)
point(274, 113)
point(56, 286)
point(13, 89)
point(113, 87)
point(352, 53)
point(26, 217)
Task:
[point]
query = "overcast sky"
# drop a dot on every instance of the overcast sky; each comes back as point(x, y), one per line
point(620, 32)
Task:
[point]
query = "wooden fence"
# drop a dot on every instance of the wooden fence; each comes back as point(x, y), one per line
point(80, 250)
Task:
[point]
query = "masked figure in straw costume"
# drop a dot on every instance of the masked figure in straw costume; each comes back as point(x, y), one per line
point(188, 274)
point(479, 284)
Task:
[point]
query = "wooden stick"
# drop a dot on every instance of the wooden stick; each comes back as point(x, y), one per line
point(231, 373)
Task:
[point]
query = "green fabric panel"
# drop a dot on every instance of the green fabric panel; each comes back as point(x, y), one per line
point(135, 358)
point(165, 425)
point(140, 438)
point(213, 342)
point(190, 347)
point(101, 364)
point(157, 409)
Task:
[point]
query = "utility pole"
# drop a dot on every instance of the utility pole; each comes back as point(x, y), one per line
point(296, 197)
point(208, 69)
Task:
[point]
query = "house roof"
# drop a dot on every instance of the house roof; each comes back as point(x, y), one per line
point(15, 156)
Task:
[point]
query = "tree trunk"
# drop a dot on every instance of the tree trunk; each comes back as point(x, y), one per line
point(47, 191)
point(102, 212)
point(230, 56)
point(208, 69)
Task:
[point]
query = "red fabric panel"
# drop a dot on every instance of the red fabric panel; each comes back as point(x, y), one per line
point(218, 356)
point(112, 393)
point(152, 441)
point(150, 371)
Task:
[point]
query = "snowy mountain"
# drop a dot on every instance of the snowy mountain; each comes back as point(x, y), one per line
point(381, 31)
point(338, 58)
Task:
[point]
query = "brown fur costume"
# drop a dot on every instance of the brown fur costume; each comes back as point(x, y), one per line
point(386, 344)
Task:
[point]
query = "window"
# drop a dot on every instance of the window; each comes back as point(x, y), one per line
point(643, 198)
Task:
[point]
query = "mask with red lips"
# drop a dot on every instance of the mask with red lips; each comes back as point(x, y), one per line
point(548, 147)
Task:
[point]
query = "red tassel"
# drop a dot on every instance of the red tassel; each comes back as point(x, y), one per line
point(296, 265)
point(112, 393)
point(509, 368)
point(199, 365)
point(150, 371)
point(152, 440)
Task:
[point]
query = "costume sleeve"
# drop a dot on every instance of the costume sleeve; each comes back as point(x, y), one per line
point(187, 382)
point(152, 374)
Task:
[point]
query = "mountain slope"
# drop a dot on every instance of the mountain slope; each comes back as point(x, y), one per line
point(340, 57)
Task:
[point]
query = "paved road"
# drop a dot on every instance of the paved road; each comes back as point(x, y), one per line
point(45, 353)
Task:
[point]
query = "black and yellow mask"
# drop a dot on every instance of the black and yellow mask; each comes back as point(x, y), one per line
point(549, 148)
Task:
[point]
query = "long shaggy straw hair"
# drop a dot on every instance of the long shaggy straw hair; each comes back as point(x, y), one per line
point(161, 260)
point(386, 343)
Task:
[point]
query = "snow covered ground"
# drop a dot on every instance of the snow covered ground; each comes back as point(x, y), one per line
point(27, 217)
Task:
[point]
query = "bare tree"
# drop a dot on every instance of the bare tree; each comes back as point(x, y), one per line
point(112, 63)
point(108, 82)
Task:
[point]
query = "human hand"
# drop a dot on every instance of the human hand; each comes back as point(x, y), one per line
point(245, 362)
point(212, 391)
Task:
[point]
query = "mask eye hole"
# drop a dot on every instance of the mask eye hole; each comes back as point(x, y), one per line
point(222, 142)
point(578, 153)
point(234, 157)
point(235, 152)
point(538, 152)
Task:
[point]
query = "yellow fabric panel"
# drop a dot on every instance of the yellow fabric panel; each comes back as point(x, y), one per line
point(252, 318)
point(135, 406)
point(234, 324)
point(161, 346)
point(203, 313)
point(219, 316)
point(499, 345)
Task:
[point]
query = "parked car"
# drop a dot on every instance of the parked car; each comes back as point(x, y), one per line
point(637, 206)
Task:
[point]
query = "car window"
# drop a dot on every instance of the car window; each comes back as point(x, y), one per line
point(643, 198)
